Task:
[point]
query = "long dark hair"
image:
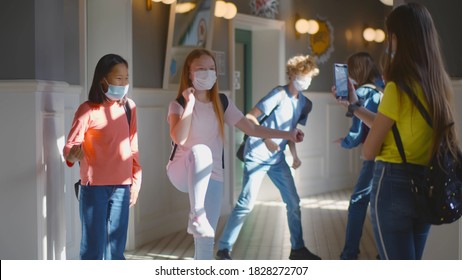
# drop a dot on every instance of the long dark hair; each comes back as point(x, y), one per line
point(418, 60)
point(103, 67)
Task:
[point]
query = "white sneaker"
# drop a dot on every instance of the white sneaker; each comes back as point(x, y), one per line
point(199, 226)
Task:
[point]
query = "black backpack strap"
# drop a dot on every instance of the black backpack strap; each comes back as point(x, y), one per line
point(261, 121)
point(128, 113)
point(396, 135)
point(181, 101)
point(420, 107)
point(399, 143)
point(417, 103)
point(224, 102)
point(305, 111)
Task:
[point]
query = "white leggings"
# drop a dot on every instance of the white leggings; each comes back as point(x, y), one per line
point(190, 172)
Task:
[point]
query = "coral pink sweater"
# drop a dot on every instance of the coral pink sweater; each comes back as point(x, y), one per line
point(111, 151)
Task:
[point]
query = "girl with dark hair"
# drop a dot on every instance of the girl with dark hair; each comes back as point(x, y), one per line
point(413, 64)
point(197, 117)
point(103, 138)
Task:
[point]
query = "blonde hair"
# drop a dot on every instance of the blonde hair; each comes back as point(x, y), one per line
point(301, 65)
point(185, 83)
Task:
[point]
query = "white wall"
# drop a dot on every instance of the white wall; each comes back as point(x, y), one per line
point(325, 166)
point(31, 169)
point(161, 208)
point(37, 207)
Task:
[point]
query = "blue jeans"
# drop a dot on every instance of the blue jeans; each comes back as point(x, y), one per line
point(104, 216)
point(359, 201)
point(281, 176)
point(399, 235)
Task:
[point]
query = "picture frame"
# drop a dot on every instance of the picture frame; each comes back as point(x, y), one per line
point(186, 31)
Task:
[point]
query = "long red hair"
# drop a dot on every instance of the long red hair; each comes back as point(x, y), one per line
point(185, 83)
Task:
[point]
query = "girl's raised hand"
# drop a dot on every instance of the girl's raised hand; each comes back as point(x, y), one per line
point(188, 94)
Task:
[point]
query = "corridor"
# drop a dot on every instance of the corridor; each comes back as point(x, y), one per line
point(265, 235)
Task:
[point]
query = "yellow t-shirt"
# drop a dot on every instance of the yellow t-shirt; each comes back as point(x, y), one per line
point(415, 133)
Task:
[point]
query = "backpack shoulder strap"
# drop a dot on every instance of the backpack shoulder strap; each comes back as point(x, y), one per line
point(307, 108)
point(417, 103)
point(399, 143)
point(224, 101)
point(421, 108)
point(128, 113)
point(181, 101)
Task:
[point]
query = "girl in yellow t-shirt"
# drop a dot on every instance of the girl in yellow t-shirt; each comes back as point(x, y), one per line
point(415, 61)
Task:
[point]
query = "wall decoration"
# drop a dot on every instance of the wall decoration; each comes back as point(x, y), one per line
point(188, 29)
point(191, 28)
point(264, 8)
point(321, 44)
point(220, 59)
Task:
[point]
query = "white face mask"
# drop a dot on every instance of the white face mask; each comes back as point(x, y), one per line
point(302, 83)
point(204, 79)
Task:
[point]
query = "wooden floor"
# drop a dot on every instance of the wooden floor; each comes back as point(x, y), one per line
point(265, 234)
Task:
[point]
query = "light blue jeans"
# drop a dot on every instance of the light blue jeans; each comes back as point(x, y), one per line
point(191, 172)
point(399, 235)
point(104, 216)
point(357, 210)
point(281, 176)
point(204, 245)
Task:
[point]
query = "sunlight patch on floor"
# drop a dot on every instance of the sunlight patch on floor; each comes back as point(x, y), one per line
point(163, 256)
point(329, 204)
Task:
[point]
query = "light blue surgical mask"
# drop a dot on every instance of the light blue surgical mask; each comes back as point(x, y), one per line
point(116, 92)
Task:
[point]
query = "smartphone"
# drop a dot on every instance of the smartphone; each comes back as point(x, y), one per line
point(341, 80)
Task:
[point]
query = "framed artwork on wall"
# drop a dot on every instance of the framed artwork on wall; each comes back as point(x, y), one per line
point(190, 27)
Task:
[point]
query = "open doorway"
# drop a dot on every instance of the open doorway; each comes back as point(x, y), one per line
point(242, 91)
point(258, 46)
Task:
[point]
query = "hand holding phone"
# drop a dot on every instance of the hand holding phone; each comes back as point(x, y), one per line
point(341, 80)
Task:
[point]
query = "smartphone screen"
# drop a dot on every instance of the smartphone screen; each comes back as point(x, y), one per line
point(341, 80)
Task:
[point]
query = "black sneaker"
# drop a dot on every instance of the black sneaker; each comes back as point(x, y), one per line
point(302, 254)
point(223, 255)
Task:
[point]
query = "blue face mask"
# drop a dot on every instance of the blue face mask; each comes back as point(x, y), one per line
point(116, 92)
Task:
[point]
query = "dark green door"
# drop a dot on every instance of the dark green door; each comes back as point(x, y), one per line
point(243, 91)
